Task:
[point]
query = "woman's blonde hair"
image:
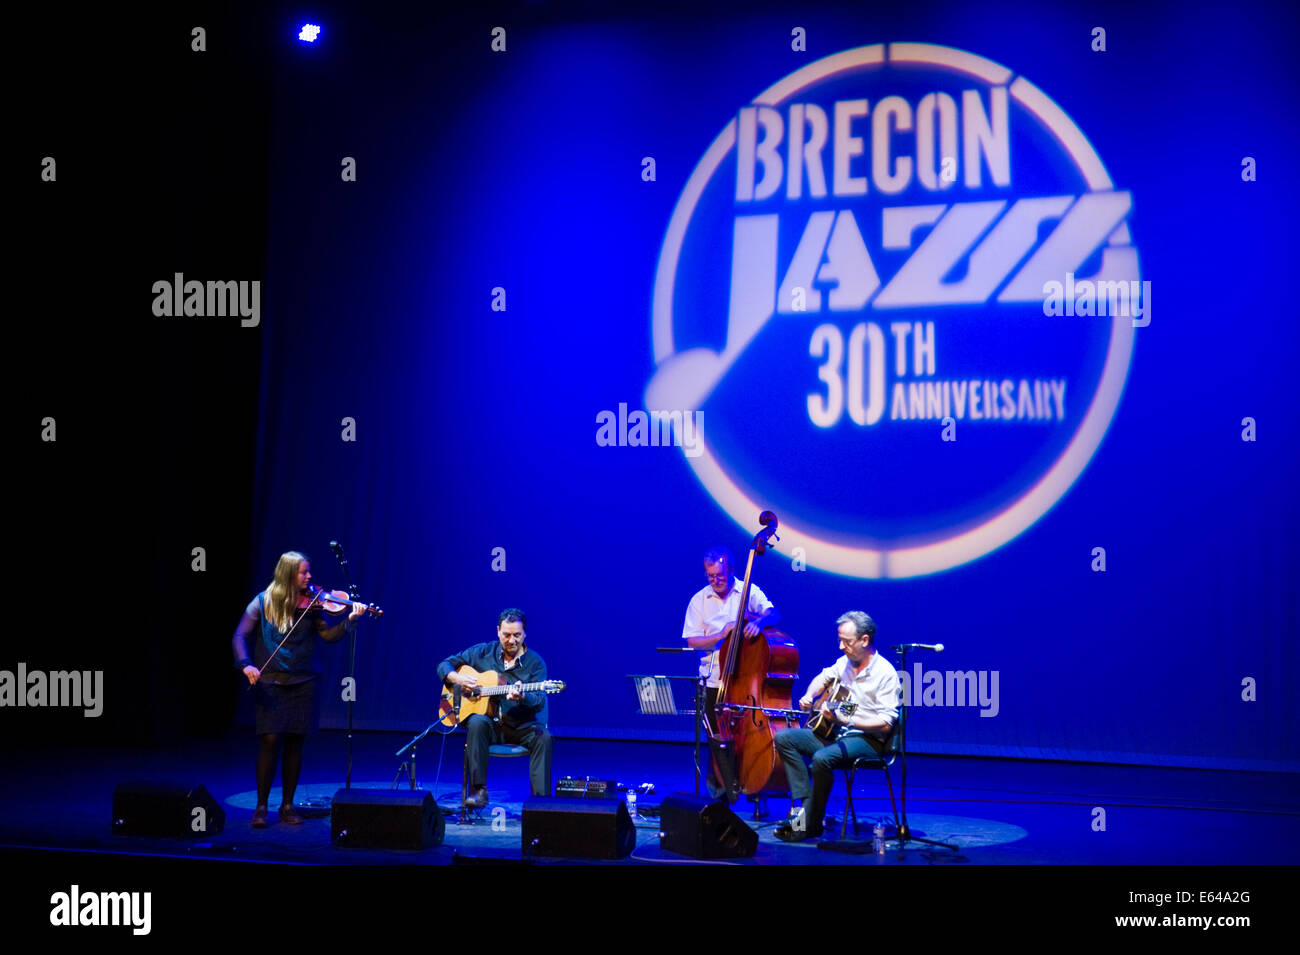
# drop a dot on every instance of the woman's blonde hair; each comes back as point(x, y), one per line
point(282, 591)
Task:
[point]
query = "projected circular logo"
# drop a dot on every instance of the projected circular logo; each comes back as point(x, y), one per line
point(898, 296)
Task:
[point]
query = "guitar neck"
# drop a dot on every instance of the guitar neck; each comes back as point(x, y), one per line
point(503, 689)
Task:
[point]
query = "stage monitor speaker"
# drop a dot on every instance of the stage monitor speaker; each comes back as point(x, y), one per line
point(166, 809)
point(594, 828)
point(386, 819)
point(704, 829)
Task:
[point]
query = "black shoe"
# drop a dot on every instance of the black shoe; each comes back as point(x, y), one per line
point(790, 834)
point(477, 799)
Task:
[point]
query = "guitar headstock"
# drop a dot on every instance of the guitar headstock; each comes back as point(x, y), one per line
point(553, 686)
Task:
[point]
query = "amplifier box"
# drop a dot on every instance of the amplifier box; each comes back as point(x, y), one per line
point(586, 786)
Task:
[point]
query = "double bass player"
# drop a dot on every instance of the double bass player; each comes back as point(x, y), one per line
point(710, 617)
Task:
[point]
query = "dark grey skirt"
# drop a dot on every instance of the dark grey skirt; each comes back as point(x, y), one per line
point(282, 708)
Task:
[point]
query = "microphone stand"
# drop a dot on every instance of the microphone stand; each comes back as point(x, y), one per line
point(353, 593)
point(408, 767)
point(700, 692)
point(904, 834)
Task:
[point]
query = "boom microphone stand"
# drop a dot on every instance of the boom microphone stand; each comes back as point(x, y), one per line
point(904, 834)
point(407, 768)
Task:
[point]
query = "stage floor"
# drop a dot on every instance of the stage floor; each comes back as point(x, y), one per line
point(999, 812)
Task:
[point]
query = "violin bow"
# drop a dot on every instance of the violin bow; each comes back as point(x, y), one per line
point(307, 610)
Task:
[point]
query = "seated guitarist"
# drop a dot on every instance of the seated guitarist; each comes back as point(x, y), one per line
point(872, 684)
point(518, 720)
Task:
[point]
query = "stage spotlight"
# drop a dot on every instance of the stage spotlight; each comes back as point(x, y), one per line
point(309, 32)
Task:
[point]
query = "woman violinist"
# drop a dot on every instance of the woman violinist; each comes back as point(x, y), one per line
point(285, 620)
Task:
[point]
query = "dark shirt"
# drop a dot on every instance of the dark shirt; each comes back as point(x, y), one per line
point(293, 661)
point(529, 668)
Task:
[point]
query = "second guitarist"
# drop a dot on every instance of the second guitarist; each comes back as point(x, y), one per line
point(873, 691)
point(520, 717)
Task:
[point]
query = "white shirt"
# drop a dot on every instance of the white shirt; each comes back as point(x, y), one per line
point(875, 689)
point(708, 616)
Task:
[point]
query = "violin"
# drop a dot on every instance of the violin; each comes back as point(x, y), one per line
point(333, 602)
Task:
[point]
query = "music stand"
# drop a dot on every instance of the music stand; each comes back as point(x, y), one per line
point(656, 697)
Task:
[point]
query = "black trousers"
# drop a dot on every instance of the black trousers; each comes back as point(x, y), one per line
point(482, 732)
point(715, 757)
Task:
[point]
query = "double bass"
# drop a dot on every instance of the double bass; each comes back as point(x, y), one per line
point(756, 683)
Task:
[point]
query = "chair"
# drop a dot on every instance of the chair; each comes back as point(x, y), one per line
point(495, 749)
point(882, 759)
point(504, 750)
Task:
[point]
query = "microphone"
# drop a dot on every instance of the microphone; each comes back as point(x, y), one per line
point(936, 647)
point(347, 574)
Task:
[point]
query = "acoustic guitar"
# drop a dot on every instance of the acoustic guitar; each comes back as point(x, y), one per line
point(458, 704)
point(824, 725)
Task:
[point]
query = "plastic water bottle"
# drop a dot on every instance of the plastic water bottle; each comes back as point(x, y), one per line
point(631, 801)
point(878, 838)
